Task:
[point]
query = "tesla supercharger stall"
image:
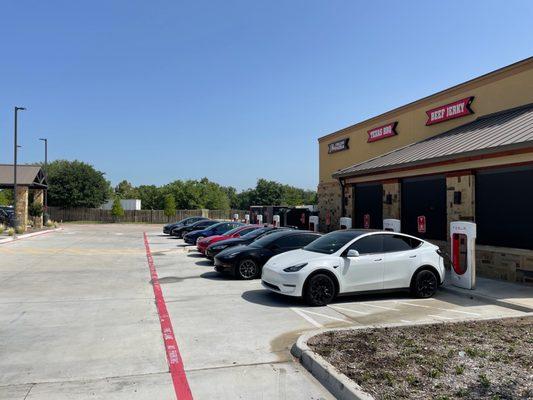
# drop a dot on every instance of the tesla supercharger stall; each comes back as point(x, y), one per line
point(247, 218)
point(392, 225)
point(463, 237)
point(345, 222)
point(313, 223)
point(235, 217)
point(276, 221)
point(259, 219)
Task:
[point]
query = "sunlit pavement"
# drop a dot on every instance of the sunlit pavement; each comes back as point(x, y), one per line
point(78, 321)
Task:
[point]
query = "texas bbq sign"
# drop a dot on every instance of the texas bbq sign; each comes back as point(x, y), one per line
point(382, 132)
point(339, 145)
point(457, 109)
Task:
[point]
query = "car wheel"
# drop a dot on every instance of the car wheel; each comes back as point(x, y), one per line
point(320, 290)
point(247, 269)
point(425, 284)
point(199, 238)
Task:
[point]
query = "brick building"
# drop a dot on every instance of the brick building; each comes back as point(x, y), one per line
point(465, 153)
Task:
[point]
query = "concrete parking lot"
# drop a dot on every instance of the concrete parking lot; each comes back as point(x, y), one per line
point(78, 321)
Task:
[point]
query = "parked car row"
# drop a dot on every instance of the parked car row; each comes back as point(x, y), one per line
point(318, 267)
point(7, 216)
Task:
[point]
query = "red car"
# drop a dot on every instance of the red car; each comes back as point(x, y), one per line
point(234, 233)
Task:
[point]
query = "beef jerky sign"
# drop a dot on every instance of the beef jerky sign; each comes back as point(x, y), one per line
point(339, 145)
point(457, 109)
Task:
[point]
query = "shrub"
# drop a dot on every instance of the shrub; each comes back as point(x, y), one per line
point(117, 211)
point(170, 205)
point(19, 229)
point(2, 227)
point(35, 209)
point(49, 223)
point(10, 231)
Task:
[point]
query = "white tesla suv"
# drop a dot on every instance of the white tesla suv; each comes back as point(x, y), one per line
point(350, 261)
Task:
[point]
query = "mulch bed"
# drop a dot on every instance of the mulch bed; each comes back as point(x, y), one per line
point(464, 360)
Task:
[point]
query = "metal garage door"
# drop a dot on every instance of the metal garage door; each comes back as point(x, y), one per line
point(504, 213)
point(424, 201)
point(368, 204)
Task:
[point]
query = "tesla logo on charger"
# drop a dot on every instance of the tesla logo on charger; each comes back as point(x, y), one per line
point(366, 221)
point(382, 132)
point(421, 223)
point(457, 109)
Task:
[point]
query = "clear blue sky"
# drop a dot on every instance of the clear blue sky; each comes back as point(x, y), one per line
point(153, 91)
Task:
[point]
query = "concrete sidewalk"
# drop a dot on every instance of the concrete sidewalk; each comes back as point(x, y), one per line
point(507, 294)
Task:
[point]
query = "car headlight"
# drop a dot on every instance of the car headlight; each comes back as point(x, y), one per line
point(221, 247)
point(231, 255)
point(295, 268)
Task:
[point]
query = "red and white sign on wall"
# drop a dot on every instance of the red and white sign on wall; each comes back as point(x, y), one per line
point(421, 223)
point(366, 221)
point(382, 132)
point(457, 109)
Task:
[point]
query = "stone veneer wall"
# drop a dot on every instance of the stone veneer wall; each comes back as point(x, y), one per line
point(329, 201)
point(391, 210)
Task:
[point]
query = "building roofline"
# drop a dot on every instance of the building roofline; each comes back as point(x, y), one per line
point(431, 98)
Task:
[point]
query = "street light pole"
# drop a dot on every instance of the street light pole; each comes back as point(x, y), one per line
point(45, 140)
point(15, 150)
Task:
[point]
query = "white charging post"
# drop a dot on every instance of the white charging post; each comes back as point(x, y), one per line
point(392, 225)
point(247, 218)
point(463, 237)
point(313, 223)
point(235, 217)
point(259, 219)
point(276, 221)
point(345, 222)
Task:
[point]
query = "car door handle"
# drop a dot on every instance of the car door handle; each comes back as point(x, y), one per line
point(412, 256)
point(378, 259)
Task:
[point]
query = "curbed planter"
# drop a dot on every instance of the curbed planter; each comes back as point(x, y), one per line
point(338, 384)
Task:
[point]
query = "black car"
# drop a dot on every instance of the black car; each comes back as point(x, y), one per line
point(181, 231)
point(184, 222)
point(246, 262)
point(7, 216)
point(244, 240)
point(217, 229)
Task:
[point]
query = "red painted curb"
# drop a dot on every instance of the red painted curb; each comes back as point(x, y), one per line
point(175, 363)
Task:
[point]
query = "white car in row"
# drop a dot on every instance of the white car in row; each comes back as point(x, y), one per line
point(353, 261)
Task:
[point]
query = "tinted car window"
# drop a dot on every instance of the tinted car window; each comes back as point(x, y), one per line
point(304, 239)
point(255, 233)
point(268, 239)
point(368, 244)
point(245, 231)
point(330, 243)
point(399, 243)
point(287, 241)
point(204, 224)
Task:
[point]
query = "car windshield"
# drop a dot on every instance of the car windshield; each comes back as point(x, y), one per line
point(266, 240)
point(330, 243)
point(255, 233)
point(232, 231)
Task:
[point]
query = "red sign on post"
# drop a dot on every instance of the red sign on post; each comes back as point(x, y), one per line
point(366, 221)
point(457, 109)
point(382, 132)
point(421, 222)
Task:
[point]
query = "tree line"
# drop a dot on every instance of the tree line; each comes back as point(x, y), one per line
point(79, 184)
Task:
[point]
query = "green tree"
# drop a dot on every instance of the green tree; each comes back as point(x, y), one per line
point(117, 211)
point(35, 209)
point(6, 197)
point(76, 184)
point(125, 190)
point(151, 197)
point(170, 205)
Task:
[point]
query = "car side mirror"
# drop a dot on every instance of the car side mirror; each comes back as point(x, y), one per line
point(352, 253)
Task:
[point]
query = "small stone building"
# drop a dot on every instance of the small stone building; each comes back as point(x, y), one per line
point(29, 178)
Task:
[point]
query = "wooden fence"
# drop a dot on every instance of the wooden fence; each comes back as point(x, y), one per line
point(140, 216)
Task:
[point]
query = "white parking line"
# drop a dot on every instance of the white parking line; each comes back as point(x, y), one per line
point(349, 310)
point(406, 320)
point(384, 308)
point(326, 316)
point(458, 311)
point(439, 317)
point(411, 304)
point(307, 318)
